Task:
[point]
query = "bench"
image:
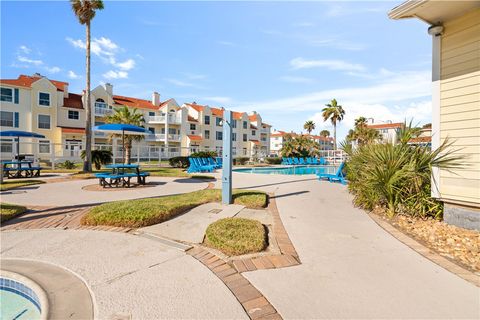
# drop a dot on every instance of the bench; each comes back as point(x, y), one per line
point(17, 172)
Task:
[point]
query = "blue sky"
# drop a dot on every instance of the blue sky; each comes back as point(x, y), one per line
point(284, 60)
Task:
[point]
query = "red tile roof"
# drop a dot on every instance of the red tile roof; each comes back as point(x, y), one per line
point(195, 106)
point(253, 117)
point(194, 137)
point(420, 140)
point(73, 130)
point(218, 112)
point(386, 125)
point(253, 127)
point(73, 101)
point(135, 102)
point(26, 81)
point(255, 141)
point(192, 119)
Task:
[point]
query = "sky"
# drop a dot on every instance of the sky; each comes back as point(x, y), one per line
point(285, 60)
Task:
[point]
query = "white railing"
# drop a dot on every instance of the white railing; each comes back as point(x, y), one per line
point(172, 118)
point(99, 134)
point(155, 119)
point(99, 111)
point(155, 137)
point(174, 137)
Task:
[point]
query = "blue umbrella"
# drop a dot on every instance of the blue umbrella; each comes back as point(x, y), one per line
point(122, 128)
point(18, 134)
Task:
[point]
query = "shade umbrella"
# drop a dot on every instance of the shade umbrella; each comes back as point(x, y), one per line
point(20, 134)
point(123, 128)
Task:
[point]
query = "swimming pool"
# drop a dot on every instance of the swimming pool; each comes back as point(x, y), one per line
point(290, 170)
point(18, 301)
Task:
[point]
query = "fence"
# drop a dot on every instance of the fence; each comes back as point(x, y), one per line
point(54, 154)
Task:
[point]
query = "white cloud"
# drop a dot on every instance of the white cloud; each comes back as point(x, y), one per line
point(301, 63)
point(29, 61)
point(53, 69)
point(25, 49)
point(115, 75)
point(293, 79)
point(76, 43)
point(73, 75)
point(126, 65)
point(222, 100)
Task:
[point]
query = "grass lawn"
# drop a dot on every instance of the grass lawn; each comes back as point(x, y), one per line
point(8, 211)
point(236, 236)
point(145, 212)
point(11, 184)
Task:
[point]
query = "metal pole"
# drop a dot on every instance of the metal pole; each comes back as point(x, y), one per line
point(227, 158)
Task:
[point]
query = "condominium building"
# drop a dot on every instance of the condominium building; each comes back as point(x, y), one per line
point(203, 131)
point(38, 104)
point(388, 130)
point(278, 138)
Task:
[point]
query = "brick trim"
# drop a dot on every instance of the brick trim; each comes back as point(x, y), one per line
point(253, 302)
point(426, 252)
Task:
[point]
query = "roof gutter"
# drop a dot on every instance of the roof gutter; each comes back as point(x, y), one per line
point(406, 9)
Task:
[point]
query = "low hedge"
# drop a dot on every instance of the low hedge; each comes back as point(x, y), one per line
point(236, 236)
point(275, 160)
point(179, 162)
point(204, 154)
point(240, 161)
point(8, 211)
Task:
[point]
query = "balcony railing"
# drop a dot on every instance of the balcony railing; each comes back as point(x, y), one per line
point(99, 111)
point(174, 137)
point(155, 137)
point(172, 118)
point(99, 134)
point(155, 119)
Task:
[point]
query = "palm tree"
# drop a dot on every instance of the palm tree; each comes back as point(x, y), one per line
point(85, 11)
point(360, 122)
point(126, 115)
point(309, 126)
point(325, 133)
point(335, 113)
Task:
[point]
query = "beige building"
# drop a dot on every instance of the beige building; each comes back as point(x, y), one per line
point(388, 130)
point(203, 131)
point(455, 30)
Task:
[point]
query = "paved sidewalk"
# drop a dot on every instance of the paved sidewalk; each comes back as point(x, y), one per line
point(351, 268)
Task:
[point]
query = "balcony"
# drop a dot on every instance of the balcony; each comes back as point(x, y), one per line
point(155, 119)
point(155, 137)
point(173, 137)
point(173, 119)
point(101, 112)
point(99, 134)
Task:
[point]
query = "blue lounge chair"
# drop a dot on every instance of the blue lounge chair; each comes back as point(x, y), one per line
point(295, 161)
point(302, 161)
point(284, 161)
point(290, 161)
point(323, 161)
point(197, 166)
point(315, 161)
point(338, 176)
point(219, 161)
point(309, 160)
point(213, 163)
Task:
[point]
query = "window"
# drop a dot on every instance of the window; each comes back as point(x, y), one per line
point(207, 134)
point(7, 119)
point(218, 121)
point(74, 115)
point(44, 146)
point(219, 135)
point(44, 99)
point(172, 131)
point(245, 137)
point(151, 114)
point(193, 126)
point(162, 130)
point(245, 124)
point(6, 95)
point(6, 145)
point(234, 136)
point(253, 132)
point(234, 124)
point(152, 130)
point(43, 121)
point(206, 120)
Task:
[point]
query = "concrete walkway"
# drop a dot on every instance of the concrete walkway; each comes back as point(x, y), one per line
point(131, 277)
point(351, 268)
point(70, 193)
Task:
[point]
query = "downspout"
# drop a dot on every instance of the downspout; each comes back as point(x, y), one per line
point(436, 32)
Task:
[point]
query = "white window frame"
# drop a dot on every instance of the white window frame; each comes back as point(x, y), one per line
point(49, 99)
point(49, 122)
point(77, 112)
point(13, 119)
point(6, 143)
point(12, 95)
point(43, 143)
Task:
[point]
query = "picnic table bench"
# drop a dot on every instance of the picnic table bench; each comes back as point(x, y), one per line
point(20, 169)
point(121, 175)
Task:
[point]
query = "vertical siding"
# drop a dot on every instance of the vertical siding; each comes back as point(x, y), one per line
point(460, 105)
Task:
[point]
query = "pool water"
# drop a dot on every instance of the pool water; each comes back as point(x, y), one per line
point(17, 302)
point(290, 170)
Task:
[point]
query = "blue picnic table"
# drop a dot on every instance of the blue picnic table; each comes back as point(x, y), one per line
point(20, 169)
point(121, 175)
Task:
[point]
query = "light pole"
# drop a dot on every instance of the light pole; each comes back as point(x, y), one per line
point(227, 158)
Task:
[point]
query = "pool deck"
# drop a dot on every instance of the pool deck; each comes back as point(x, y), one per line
point(350, 267)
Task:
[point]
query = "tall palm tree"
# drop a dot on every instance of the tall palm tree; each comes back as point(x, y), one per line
point(85, 11)
point(325, 133)
point(335, 113)
point(126, 115)
point(309, 126)
point(360, 122)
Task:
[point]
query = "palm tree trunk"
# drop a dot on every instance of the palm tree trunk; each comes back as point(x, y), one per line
point(334, 136)
point(87, 164)
point(128, 153)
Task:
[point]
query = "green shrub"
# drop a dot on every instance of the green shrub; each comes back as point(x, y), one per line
point(67, 164)
point(397, 177)
point(236, 236)
point(275, 160)
point(204, 154)
point(99, 157)
point(8, 211)
point(179, 162)
point(240, 161)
